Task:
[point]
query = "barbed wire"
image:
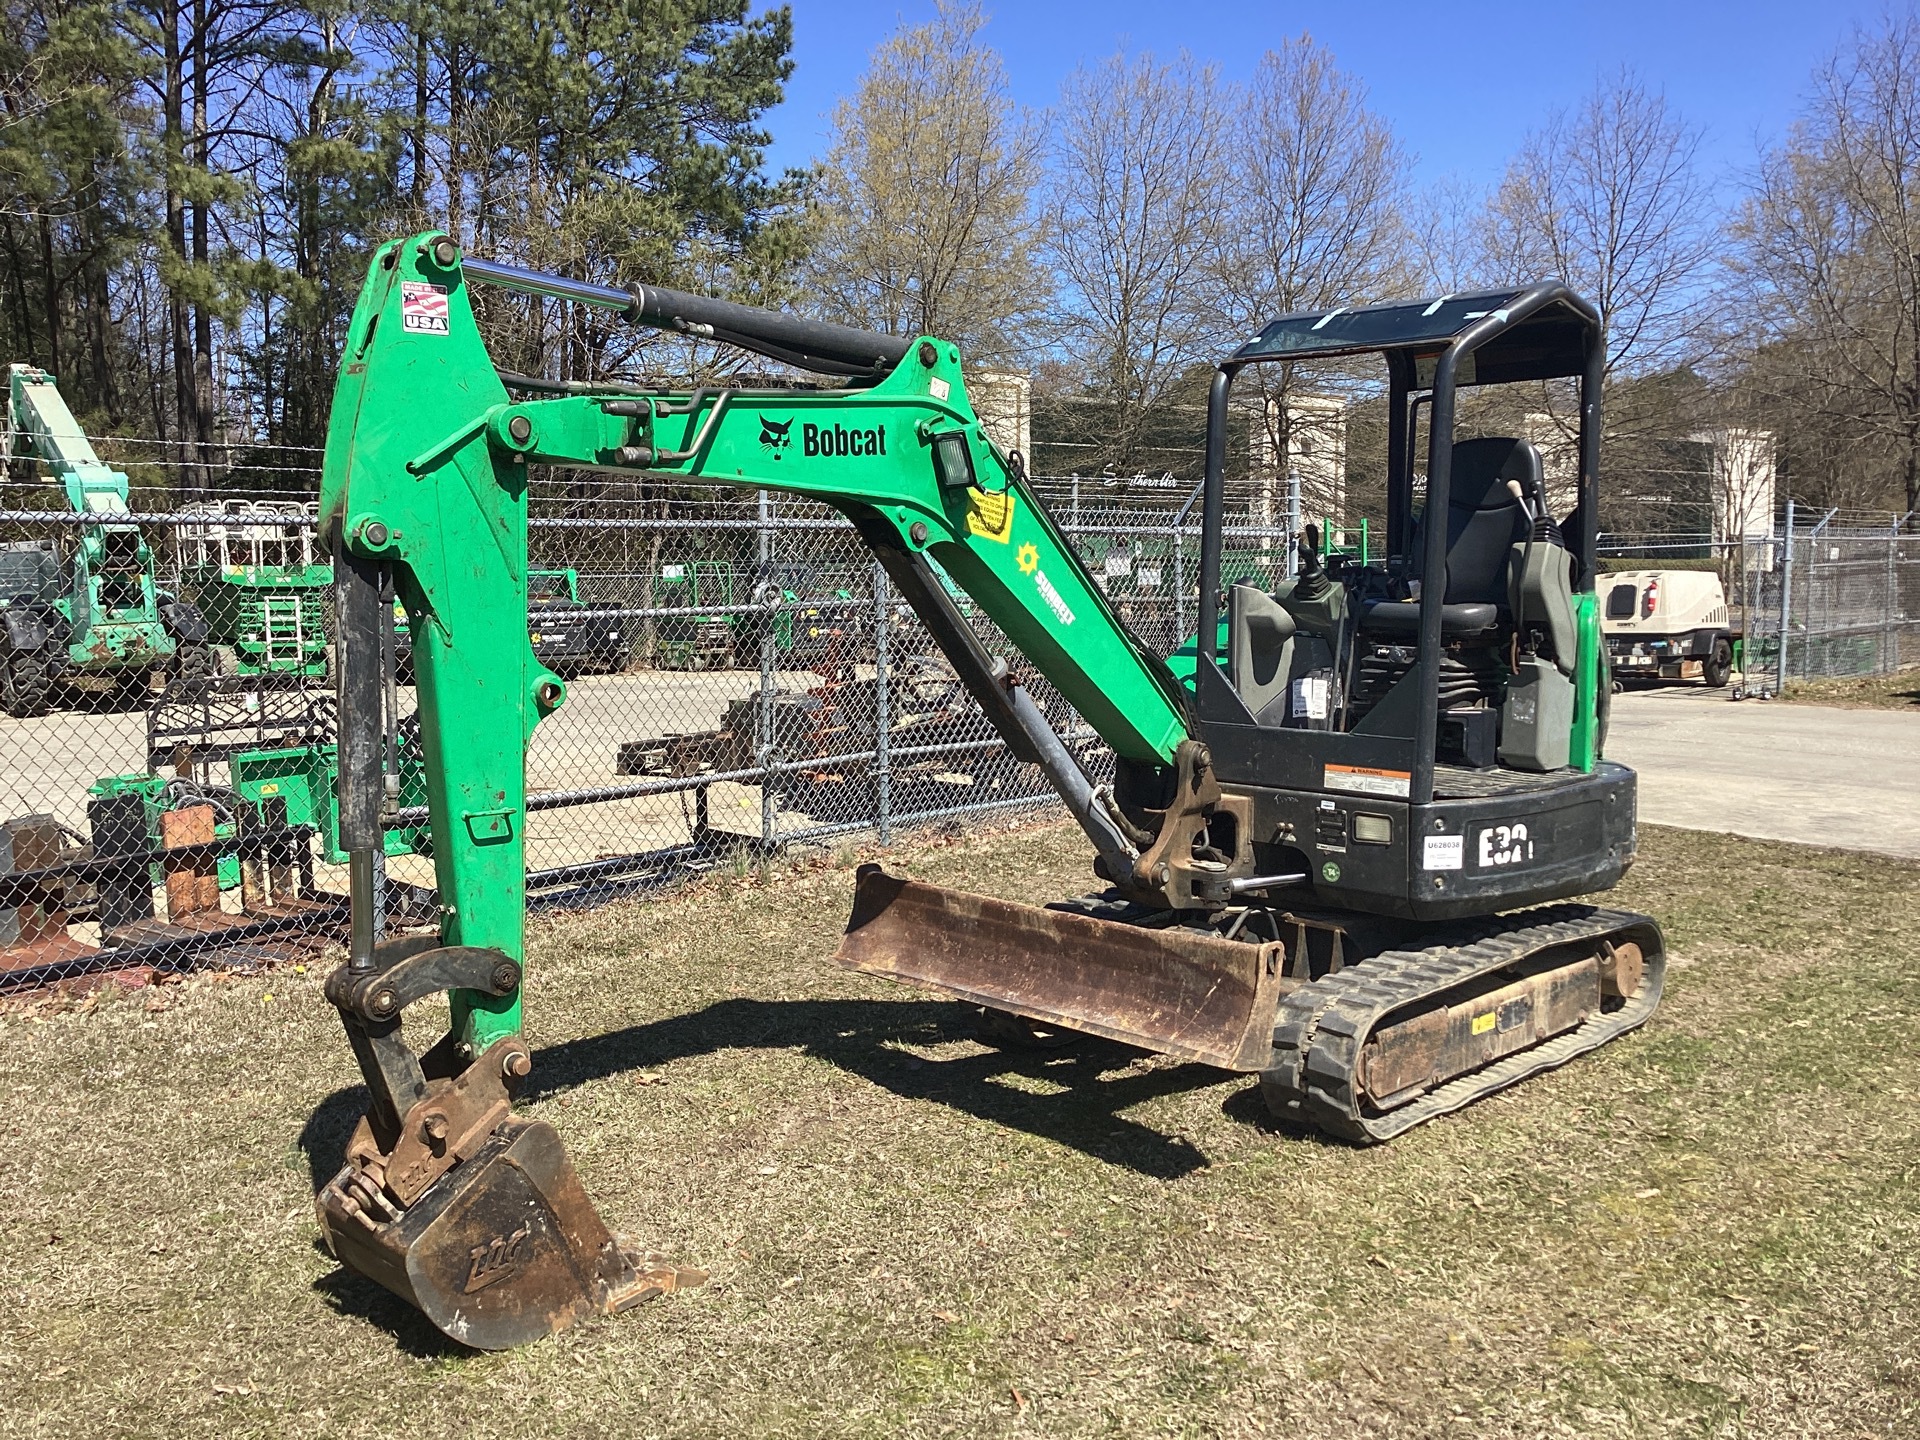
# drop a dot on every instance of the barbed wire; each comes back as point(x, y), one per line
point(210, 444)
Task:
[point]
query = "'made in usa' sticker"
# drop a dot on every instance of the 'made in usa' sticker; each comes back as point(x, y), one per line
point(423, 308)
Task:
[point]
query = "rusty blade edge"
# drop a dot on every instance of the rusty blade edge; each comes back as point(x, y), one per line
point(1125, 971)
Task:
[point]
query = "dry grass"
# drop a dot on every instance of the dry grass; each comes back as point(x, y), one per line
point(1707, 1229)
point(1898, 691)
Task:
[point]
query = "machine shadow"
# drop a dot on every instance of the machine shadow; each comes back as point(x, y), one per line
point(1079, 1091)
point(362, 1299)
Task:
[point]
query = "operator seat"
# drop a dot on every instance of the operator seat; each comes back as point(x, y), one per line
point(1484, 521)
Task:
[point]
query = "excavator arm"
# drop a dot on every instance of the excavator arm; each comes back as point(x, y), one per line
point(114, 617)
point(424, 499)
point(38, 415)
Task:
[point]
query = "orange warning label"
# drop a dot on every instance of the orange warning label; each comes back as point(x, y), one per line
point(1364, 780)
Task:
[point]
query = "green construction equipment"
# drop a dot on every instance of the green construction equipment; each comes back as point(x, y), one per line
point(84, 607)
point(568, 634)
point(724, 609)
point(248, 755)
point(1340, 863)
point(253, 574)
point(700, 634)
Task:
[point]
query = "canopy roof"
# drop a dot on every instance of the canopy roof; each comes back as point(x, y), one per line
point(1547, 335)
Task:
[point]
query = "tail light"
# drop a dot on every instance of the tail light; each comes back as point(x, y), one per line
point(1649, 598)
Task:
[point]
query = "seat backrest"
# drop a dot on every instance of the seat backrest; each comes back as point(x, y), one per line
point(1483, 518)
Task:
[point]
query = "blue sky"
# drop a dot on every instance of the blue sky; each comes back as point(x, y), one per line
point(1461, 95)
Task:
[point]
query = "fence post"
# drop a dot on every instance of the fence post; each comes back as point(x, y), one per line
point(1889, 644)
point(768, 599)
point(1293, 524)
point(882, 702)
point(1786, 601)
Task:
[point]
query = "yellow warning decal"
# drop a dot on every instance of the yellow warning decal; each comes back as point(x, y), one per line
point(1484, 1023)
point(990, 516)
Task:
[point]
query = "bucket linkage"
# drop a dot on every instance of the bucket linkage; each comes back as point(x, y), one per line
point(470, 1213)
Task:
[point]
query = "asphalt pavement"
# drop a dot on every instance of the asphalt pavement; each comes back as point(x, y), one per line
point(1775, 771)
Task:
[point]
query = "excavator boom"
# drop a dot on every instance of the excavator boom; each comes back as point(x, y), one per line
point(107, 616)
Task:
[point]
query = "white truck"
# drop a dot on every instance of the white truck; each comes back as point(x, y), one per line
point(1667, 625)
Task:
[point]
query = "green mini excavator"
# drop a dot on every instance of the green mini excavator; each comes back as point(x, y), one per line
point(1342, 859)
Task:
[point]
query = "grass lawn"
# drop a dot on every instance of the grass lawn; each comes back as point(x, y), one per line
point(1710, 1228)
point(1898, 691)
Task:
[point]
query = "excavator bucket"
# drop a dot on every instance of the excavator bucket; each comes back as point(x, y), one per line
point(468, 1212)
point(1181, 992)
point(499, 1251)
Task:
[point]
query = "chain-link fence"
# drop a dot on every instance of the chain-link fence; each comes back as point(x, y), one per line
point(740, 679)
point(1842, 588)
point(1836, 595)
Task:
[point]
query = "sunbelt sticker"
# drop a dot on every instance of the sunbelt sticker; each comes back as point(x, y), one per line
point(1053, 598)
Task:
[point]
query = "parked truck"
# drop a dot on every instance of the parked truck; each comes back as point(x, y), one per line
point(1667, 625)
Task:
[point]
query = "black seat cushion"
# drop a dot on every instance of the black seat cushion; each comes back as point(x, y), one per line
point(1483, 523)
point(1483, 518)
point(1455, 618)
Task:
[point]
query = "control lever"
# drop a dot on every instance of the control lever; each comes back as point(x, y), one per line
point(1312, 583)
point(1527, 508)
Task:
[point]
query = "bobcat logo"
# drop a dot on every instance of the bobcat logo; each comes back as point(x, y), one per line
point(496, 1260)
point(774, 436)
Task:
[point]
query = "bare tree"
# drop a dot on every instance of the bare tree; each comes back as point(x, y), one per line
point(1829, 256)
point(1133, 219)
point(1607, 198)
point(1314, 203)
point(1314, 220)
point(922, 204)
point(1448, 239)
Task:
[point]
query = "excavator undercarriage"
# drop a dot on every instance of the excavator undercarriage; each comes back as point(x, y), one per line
point(1358, 1028)
point(1346, 856)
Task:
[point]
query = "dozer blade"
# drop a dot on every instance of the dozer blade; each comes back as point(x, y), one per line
point(1178, 991)
point(501, 1250)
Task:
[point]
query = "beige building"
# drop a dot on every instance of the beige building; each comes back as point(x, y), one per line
point(1742, 474)
point(1003, 399)
point(1316, 454)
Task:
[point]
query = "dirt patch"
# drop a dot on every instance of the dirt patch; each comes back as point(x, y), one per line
point(1706, 1229)
point(1898, 691)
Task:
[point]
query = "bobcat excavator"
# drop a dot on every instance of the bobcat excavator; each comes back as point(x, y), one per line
point(1332, 863)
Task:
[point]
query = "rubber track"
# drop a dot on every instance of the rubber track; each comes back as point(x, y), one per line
point(1321, 1028)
